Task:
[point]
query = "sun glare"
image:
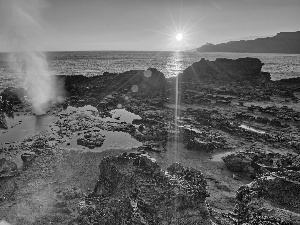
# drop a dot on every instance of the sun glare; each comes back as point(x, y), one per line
point(179, 36)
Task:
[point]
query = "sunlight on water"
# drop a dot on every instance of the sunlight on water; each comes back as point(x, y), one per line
point(169, 63)
point(177, 98)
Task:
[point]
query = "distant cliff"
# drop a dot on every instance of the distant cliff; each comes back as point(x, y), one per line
point(284, 42)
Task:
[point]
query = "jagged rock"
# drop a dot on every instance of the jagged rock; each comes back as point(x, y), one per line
point(132, 189)
point(13, 95)
point(202, 140)
point(237, 162)
point(3, 122)
point(270, 199)
point(28, 156)
point(8, 168)
point(91, 139)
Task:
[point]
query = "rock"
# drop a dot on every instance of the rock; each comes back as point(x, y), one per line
point(3, 122)
point(8, 188)
point(237, 162)
point(253, 162)
point(235, 176)
point(28, 156)
point(13, 95)
point(71, 193)
point(270, 199)
point(8, 168)
point(132, 189)
point(242, 69)
point(147, 83)
point(91, 139)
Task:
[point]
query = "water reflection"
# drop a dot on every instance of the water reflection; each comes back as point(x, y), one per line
point(175, 63)
point(21, 127)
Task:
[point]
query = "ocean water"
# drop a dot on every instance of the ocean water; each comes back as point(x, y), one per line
point(94, 63)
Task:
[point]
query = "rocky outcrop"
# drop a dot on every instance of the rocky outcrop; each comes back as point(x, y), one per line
point(238, 162)
point(132, 189)
point(13, 95)
point(7, 168)
point(142, 83)
point(243, 69)
point(270, 199)
point(202, 140)
point(93, 90)
point(283, 42)
point(3, 122)
point(254, 162)
point(91, 139)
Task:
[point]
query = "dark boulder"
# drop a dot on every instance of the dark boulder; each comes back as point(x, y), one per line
point(237, 162)
point(241, 70)
point(13, 95)
point(7, 168)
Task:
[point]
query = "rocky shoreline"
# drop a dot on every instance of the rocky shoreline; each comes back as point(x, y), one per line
point(215, 107)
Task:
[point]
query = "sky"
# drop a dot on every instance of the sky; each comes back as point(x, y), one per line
point(151, 25)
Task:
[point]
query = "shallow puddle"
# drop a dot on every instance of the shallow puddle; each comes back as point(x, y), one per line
point(218, 157)
point(113, 140)
point(21, 127)
point(122, 115)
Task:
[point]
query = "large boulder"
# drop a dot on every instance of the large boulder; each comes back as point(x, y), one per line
point(237, 162)
point(132, 189)
point(270, 199)
point(243, 69)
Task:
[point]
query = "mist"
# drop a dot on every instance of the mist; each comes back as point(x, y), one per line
point(24, 37)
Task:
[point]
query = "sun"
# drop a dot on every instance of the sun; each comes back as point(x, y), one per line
point(179, 36)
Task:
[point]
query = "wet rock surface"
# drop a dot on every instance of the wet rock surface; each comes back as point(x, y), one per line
point(225, 107)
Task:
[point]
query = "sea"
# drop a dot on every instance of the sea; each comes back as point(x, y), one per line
point(94, 63)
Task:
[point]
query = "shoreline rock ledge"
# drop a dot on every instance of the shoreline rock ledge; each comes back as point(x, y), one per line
point(132, 189)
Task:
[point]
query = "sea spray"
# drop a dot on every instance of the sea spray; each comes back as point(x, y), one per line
point(20, 21)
